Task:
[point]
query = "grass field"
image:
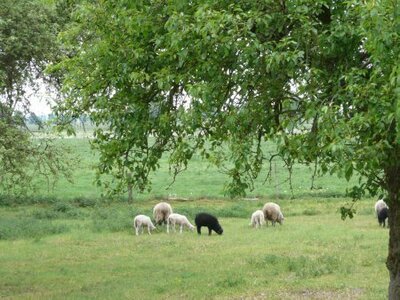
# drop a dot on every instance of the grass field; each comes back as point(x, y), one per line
point(201, 180)
point(69, 243)
point(74, 252)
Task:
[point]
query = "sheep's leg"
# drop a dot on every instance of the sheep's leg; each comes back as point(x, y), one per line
point(168, 226)
point(181, 228)
point(137, 230)
point(148, 229)
point(209, 231)
point(199, 229)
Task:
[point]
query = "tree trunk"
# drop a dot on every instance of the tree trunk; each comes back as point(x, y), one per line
point(130, 193)
point(393, 260)
point(130, 188)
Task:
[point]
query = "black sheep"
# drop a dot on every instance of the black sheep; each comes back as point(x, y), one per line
point(207, 220)
point(382, 216)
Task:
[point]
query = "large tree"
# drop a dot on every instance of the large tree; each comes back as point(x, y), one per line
point(28, 31)
point(319, 78)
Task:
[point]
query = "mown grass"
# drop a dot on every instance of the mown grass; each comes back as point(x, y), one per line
point(97, 255)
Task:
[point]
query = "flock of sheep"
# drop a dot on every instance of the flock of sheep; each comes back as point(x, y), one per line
point(162, 213)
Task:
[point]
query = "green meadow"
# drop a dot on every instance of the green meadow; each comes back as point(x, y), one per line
point(70, 243)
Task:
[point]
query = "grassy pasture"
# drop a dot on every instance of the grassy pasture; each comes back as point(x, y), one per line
point(200, 180)
point(314, 255)
point(69, 243)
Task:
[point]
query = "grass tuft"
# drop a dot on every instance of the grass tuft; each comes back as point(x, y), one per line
point(12, 228)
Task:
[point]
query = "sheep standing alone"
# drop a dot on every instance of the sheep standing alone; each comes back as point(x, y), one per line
point(272, 212)
point(382, 212)
point(209, 221)
point(161, 212)
point(379, 205)
point(257, 219)
point(181, 220)
point(382, 216)
point(140, 221)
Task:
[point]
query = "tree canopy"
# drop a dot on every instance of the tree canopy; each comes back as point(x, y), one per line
point(307, 75)
point(319, 78)
point(28, 31)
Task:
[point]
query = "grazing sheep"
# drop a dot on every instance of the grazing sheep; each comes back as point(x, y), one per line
point(209, 221)
point(381, 211)
point(257, 219)
point(161, 212)
point(140, 221)
point(272, 212)
point(382, 216)
point(180, 220)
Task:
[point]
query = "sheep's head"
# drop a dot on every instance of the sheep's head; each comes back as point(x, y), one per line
point(280, 218)
point(219, 229)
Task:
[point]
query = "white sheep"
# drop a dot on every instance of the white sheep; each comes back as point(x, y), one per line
point(272, 212)
point(382, 212)
point(257, 219)
point(181, 220)
point(379, 205)
point(140, 221)
point(161, 212)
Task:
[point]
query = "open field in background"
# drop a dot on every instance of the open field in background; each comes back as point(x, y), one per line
point(200, 180)
point(68, 243)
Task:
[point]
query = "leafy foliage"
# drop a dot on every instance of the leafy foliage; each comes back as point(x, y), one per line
point(27, 43)
point(302, 73)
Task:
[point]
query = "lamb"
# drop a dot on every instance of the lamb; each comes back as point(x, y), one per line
point(257, 219)
point(272, 212)
point(180, 220)
point(381, 211)
point(209, 221)
point(140, 221)
point(161, 212)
